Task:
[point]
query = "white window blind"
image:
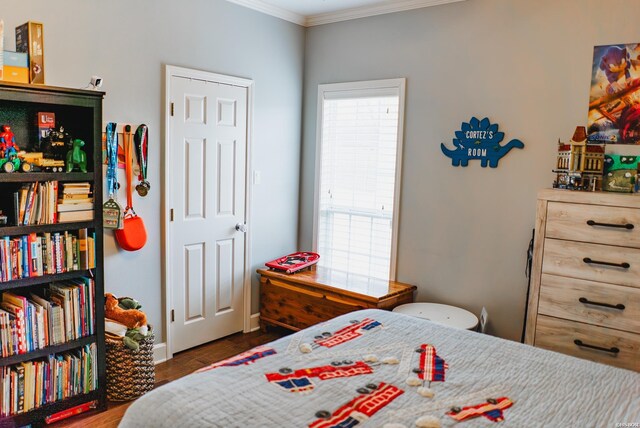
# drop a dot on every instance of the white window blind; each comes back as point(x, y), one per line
point(357, 180)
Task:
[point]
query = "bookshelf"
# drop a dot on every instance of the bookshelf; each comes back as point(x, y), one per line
point(80, 111)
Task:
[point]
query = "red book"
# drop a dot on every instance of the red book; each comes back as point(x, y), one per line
point(72, 411)
point(18, 312)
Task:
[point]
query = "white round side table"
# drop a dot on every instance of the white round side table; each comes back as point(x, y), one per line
point(443, 314)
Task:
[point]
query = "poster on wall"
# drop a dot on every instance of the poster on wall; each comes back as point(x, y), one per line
point(614, 102)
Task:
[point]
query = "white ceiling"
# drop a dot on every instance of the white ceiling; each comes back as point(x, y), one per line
point(317, 12)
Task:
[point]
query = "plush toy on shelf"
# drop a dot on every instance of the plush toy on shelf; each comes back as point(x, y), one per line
point(125, 319)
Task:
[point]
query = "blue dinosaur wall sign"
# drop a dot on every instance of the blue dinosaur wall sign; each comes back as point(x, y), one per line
point(479, 139)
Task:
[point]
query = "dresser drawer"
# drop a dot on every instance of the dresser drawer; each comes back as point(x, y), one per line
point(592, 223)
point(561, 336)
point(581, 300)
point(584, 261)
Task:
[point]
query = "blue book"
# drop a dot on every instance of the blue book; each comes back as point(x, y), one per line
point(25, 256)
point(27, 328)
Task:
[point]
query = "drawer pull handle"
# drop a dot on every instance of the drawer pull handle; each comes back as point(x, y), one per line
point(606, 305)
point(628, 226)
point(612, 350)
point(624, 265)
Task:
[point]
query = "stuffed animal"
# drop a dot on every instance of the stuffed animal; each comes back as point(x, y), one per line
point(132, 318)
point(124, 319)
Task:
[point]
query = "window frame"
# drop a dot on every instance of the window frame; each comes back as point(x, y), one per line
point(352, 90)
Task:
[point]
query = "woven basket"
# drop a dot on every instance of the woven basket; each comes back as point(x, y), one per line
point(130, 374)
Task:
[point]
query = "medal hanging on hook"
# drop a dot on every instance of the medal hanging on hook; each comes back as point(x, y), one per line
point(141, 140)
point(133, 235)
point(112, 210)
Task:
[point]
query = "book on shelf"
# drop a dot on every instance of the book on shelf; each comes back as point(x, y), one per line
point(91, 249)
point(17, 328)
point(73, 192)
point(45, 254)
point(53, 315)
point(76, 188)
point(68, 216)
point(32, 384)
point(74, 198)
point(82, 206)
point(36, 203)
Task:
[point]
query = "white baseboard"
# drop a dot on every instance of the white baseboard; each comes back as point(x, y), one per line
point(255, 322)
point(159, 353)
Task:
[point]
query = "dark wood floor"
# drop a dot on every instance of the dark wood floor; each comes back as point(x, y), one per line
point(180, 365)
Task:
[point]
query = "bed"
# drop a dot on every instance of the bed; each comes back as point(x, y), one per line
point(376, 368)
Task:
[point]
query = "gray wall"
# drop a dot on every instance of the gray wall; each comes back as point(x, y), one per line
point(524, 64)
point(127, 43)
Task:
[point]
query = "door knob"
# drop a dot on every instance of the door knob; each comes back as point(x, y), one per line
point(241, 227)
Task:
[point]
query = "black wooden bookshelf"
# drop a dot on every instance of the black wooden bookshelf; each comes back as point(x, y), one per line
point(36, 416)
point(45, 279)
point(55, 349)
point(80, 111)
point(42, 228)
point(30, 177)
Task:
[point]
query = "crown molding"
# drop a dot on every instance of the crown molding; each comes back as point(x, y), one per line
point(268, 9)
point(389, 6)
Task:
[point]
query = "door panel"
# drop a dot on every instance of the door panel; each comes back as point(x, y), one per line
point(194, 281)
point(225, 281)
point(195, 178)
point(226, 177)
point(208, 197)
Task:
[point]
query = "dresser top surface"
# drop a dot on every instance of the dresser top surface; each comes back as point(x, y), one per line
point(342, 282)
point(629, 200)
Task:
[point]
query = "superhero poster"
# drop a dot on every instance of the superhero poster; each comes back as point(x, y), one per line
point(614, 103)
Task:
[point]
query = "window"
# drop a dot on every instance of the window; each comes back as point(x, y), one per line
point(358, 176)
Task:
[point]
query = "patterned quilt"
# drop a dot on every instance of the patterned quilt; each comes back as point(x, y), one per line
point(381, 369)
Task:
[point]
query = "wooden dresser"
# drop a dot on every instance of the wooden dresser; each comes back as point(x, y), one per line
point(585, 283)
point(302, 299)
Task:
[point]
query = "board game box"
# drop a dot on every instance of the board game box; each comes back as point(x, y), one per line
point(294, 262)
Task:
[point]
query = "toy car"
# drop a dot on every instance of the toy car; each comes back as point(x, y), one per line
point(46, 164)
point(14, 163)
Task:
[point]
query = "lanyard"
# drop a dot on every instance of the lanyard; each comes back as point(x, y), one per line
point(141, 140)
point(128, 164)
point(112, 159)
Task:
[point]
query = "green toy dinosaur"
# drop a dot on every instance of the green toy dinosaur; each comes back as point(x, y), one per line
point(76, 157)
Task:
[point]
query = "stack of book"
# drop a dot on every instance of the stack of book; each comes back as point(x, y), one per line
point(46, 254)
point(36, 203)
point(32, 384)
point(62, 312)
point(76, 203)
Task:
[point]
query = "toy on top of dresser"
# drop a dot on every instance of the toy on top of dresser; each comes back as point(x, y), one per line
point(583, 165)
point(620, 173)
point(580, 164)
